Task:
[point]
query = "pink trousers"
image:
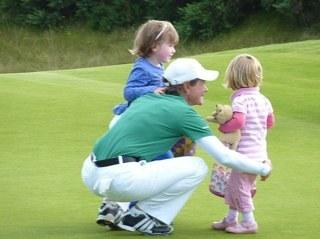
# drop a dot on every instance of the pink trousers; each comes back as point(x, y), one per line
point(238, 194)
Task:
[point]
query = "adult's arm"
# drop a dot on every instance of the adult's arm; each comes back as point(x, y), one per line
point(230, 158)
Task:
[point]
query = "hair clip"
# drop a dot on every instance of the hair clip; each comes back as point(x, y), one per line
point(162, 31)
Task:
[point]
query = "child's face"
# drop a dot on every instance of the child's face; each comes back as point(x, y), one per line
point(164, 52)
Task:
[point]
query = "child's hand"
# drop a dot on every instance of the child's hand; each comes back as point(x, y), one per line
point(160, 90)
point(264, 178)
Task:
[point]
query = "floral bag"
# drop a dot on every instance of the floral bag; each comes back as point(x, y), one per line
point(219, 178)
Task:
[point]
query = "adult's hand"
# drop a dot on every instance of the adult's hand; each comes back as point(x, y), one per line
point(264, 178)
point(160, 90)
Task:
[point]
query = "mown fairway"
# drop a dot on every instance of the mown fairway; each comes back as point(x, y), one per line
point(50, 120)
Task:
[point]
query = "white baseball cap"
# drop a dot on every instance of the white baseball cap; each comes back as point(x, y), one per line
point(187, 69)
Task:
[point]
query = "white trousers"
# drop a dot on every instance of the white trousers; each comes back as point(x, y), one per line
point(161, 187)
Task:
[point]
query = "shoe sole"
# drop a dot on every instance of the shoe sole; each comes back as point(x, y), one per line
point(221, 226)
point(103, 222)
point(107, 220)
point(108, 225)
point(246, 232)
point(132, 229)
point(253, 231)
point(158, 234)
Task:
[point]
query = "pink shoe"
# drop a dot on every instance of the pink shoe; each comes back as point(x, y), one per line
point(223, 224)
point(243, 228)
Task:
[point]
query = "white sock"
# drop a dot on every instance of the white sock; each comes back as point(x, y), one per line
point(248, 217)
point(232, 215)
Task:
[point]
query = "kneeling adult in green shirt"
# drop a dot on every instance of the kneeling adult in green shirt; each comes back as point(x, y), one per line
point(120, 167)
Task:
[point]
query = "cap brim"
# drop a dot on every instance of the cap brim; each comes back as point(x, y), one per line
point(209, 75)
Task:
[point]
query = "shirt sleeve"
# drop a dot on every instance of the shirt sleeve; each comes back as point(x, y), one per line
point(271, 117)
point(236, 122)
point(193, 125)
point(270, 120)
point(230, 158)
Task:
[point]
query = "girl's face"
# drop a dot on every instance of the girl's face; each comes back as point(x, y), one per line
point(163, 53)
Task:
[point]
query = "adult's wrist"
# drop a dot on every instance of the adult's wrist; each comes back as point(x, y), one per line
point(266, 170)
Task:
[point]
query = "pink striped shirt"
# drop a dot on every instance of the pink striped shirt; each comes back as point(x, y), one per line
point(258, 113)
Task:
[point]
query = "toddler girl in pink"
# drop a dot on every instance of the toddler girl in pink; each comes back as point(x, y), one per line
point(253, 115)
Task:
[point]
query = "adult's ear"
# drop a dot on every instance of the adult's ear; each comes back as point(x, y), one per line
point(186, 86)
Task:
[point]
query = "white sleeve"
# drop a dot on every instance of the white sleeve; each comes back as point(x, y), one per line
point(230, 158)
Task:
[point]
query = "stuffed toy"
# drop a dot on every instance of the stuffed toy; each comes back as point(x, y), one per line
point(221, 115)
point(220, 174)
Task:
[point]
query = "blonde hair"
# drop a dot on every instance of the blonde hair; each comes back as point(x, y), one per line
point(152, 33)
point(243, 71)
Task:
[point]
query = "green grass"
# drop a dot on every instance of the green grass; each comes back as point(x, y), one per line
point(50, 121)
point(25, 50)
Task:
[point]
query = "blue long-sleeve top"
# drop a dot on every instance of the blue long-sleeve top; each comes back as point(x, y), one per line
point(143, 78)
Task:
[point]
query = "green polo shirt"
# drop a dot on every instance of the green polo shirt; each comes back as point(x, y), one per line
point(150, 127)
